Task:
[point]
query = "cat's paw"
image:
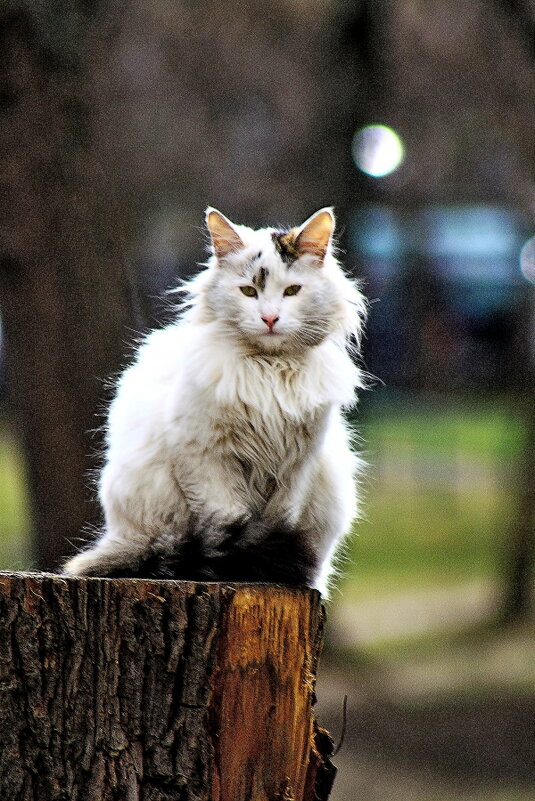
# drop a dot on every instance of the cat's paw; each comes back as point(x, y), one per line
point(92, 563)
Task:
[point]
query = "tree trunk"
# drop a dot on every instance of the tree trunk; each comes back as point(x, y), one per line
point(520, 556)
point(135, 690)
point(66, 301)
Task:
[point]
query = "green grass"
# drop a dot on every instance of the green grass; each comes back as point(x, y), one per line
point(438, 496)
point(488, 430)
point(14, 504)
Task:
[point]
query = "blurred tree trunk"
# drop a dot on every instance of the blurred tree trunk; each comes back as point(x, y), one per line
point(65, 295)
point(519, 562)
point(518, 598)
point(354, 50)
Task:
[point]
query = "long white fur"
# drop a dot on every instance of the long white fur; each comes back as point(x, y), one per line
point(215, 390)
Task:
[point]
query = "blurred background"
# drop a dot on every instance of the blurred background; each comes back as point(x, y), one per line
point(120, 123)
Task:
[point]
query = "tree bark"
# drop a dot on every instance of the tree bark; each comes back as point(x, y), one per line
point(159, 690)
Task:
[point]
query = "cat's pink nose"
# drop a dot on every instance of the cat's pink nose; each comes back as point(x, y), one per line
point(270, 321)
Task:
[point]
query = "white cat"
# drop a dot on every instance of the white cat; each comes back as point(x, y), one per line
point(227, 455)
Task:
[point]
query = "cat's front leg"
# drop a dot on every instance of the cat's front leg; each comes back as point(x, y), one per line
point(328, 508)
point(116, 549)
point(122, 546)
point(215, 488)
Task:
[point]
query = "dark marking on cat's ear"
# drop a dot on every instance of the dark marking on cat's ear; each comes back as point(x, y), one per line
point(259, 280)
point(224, 236)
point(285, 244)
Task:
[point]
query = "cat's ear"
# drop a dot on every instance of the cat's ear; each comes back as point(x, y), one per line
point(225, 238)
point(315, 235)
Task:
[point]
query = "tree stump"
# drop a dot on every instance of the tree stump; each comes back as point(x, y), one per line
point(138, 690)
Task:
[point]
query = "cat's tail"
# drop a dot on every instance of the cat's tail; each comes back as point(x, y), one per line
point(254, 551)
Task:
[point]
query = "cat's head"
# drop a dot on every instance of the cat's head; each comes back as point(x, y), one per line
point(280, 291)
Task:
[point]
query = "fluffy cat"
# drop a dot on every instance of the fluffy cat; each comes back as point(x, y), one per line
point(227, 455)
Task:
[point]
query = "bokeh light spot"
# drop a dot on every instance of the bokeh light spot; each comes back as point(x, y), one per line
point(377, 150)
point(527, 259)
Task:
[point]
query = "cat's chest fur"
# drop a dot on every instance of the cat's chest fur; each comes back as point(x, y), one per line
point(260, 411)
point(253, 418)
point(271, 444)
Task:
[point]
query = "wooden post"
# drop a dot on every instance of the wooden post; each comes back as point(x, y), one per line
point(137, 690)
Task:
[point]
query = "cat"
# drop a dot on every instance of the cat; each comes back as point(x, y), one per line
point(227, 454)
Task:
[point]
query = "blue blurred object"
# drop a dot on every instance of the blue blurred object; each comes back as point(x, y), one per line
point(449, 291)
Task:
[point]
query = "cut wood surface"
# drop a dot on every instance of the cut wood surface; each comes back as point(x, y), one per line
point(138, 690)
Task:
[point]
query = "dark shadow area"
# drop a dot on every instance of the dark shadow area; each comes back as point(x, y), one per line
point(465, 741)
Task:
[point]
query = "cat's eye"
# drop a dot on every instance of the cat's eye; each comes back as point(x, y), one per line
point(250, 291)
point(293, 289)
